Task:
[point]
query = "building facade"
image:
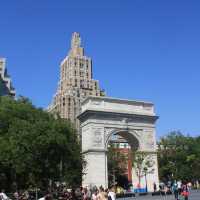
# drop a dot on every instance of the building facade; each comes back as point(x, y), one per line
point(76, 83)
point(6, 88)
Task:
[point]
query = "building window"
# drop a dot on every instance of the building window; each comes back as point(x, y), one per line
point(63, 101)
point(81, 83)
point(96, 85)
point(81, 73)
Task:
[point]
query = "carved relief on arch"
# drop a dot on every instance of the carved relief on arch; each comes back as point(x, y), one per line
point(98, 137)
point(108, 131)
point(149, 143)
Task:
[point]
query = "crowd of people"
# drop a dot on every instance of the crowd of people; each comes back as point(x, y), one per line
point(62, 193)
point(181, 190)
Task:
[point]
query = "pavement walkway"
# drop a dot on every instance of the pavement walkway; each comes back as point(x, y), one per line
point(194, 195)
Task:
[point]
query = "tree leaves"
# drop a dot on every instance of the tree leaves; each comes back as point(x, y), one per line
point(33, 144)
point(179, 157)
point(143, 164)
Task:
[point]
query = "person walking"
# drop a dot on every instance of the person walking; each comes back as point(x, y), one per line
point(185, 191)
point(154, 187)
point(175, 190)
point(179, 183)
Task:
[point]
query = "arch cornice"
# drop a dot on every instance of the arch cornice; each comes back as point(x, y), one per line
point(87, 113)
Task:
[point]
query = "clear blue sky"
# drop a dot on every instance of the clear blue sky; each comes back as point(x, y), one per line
point(141, 49)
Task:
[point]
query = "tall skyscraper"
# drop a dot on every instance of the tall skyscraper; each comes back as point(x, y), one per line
point(6, 88)
point(75, 83)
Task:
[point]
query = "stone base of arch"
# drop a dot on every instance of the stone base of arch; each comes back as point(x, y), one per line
point(103, 116)
point(95, 172)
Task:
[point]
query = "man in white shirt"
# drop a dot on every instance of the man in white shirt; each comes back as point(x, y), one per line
point(111, 194)
point(179, 184)
point(3, 196)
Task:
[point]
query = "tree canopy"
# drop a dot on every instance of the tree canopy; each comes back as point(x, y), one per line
point(179, 157)
point(35, 147)
point(143, 164)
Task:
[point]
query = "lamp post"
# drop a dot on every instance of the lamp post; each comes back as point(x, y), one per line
point(36, 193)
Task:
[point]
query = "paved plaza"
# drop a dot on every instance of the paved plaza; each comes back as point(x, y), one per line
point(195, 195)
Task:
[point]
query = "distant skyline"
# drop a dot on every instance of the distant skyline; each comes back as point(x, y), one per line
point(141, 50)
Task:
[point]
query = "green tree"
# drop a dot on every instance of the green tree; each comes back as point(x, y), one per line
point(143, 164)
point(179, 157)
point(36, 148)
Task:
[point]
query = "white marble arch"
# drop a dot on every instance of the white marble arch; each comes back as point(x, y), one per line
point(103, 116)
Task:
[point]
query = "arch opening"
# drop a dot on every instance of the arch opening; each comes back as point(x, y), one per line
point(120, 146)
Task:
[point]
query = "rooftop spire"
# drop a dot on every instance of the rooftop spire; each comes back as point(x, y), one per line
point(76, 49)
point(76, 40)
